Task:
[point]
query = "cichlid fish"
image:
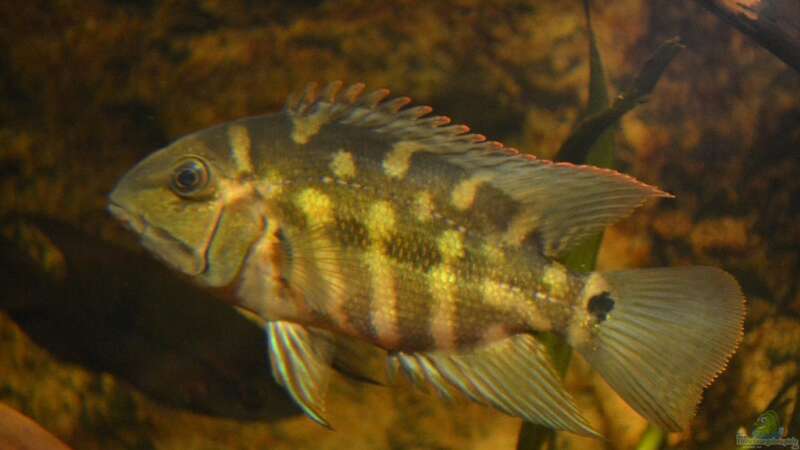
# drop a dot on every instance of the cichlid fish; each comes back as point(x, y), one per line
point(345, 214)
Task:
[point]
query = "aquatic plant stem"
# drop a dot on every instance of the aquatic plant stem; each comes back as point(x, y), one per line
point(599, 150)
point(652, 439)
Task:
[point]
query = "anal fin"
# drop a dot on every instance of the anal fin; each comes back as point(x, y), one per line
point(301, 364)
point(513, 375)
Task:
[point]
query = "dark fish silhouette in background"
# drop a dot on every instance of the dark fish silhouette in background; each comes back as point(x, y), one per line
point(110, 309)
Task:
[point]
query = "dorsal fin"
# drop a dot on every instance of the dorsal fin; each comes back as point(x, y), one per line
point(559, 203)
point(370, 110)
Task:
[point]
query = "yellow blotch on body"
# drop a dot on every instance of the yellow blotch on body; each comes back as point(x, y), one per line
point(499, 295)
point(304, 127)
point(272, 185)
point(442, 278)
point(451, 245)
point(317, 207)
point(507, 298)
point(493, 253)
point(442, 284)
point(398, 160)
point(555, 280)
point(463, 195)
point(423, 206)
point(239, 140)
point(380, 224)
point(232, 192)
point(342, 165)
point(381, 220)
point(520, 226)
point(383, 310)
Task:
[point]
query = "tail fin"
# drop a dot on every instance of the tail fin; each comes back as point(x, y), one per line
point(659, 336)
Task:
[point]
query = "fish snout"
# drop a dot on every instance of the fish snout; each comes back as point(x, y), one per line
point(131, 221)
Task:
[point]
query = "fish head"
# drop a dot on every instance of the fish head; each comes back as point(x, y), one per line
point(188, 202)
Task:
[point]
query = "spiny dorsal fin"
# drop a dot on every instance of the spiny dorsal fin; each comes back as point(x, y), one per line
point(559, 203)
point(370, 110)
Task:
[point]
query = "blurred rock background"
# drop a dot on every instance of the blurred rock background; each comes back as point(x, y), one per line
point(89, 87)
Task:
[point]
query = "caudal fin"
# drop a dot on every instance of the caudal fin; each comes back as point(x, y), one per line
point(659, 336)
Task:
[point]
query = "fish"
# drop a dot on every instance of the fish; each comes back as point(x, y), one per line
point(353, 214)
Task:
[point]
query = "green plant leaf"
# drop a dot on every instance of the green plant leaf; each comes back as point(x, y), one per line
point(652, 439)
point(582, 142)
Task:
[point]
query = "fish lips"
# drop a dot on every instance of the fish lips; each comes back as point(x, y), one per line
point(132, 221)
point(173, 252)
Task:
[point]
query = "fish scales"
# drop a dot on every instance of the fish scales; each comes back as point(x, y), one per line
point(410, 248)
point(348, 215)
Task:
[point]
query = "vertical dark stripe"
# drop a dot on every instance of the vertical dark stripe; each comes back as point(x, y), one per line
point(358, 302)
point(471, 316)
point(475, 317)
point(414, 309)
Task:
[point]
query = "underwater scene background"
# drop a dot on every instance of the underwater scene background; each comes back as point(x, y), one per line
point(108, 349)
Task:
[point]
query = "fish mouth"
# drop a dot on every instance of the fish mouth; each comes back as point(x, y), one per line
point(164, 246)
point(134, 222)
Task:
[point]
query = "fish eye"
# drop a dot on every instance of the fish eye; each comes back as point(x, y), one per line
point(189, 177)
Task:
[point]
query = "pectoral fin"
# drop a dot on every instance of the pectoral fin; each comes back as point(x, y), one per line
point(513, 375)
point(301, 363)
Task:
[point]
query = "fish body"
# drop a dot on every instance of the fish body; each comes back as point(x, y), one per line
point(345, 214)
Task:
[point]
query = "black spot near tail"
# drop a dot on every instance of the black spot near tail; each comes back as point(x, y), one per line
point(600, 305)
